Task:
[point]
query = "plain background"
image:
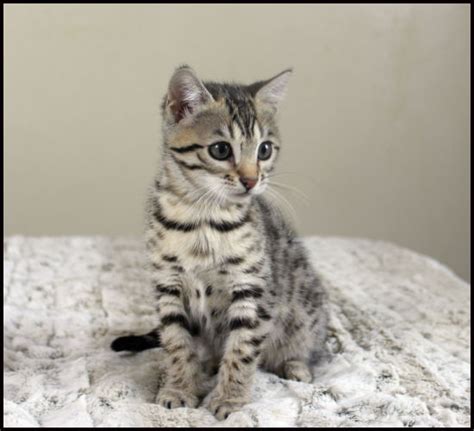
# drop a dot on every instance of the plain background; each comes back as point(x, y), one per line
point(376, 122)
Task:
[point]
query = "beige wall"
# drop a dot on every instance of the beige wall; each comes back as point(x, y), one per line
point(376, 121)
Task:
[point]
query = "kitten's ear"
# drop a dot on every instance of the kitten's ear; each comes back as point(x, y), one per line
point(185, 93)
point(272, 91)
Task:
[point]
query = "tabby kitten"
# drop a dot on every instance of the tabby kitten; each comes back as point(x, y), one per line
point(233, 283)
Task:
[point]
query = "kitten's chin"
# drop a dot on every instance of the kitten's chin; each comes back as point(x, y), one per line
point(239, 197)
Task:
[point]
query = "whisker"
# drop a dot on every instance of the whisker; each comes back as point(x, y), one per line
point(299, 194)
point(286, 205)
point(299, 174)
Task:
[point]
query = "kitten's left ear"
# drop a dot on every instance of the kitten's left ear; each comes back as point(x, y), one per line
point(272, 91)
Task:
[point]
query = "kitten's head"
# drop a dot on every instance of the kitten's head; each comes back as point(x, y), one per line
point(221, 139)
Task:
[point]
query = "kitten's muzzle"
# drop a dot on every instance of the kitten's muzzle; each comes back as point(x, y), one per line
point(248, 182)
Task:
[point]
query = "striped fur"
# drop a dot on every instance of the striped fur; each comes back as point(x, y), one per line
point(226, 266)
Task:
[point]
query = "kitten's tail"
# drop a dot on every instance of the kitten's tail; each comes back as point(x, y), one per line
point(137, 343)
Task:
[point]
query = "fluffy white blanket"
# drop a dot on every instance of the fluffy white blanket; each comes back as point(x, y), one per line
point(399, 337)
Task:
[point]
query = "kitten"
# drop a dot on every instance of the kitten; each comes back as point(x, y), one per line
point(233, 283)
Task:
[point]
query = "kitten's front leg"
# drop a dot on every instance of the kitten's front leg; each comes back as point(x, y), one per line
point(248, 325)
point(183, 372)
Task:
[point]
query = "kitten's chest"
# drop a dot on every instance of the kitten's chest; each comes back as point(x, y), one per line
point(201, 237)
point(205, 248)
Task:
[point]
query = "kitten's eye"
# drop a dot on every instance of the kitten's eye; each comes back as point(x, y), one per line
point(265, 150)
point(220, 150)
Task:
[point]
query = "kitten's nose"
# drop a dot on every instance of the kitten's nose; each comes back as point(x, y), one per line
point(248, 182)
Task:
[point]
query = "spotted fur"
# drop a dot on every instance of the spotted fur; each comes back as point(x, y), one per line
point(233, 284)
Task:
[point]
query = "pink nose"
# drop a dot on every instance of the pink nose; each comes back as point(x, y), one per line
point(248, 182)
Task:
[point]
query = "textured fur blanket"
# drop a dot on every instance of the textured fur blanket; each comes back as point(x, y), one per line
point(399, 340)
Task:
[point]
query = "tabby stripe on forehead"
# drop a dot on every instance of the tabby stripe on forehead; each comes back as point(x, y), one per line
point(171, 224)
point(247, 115)
point(187, 149)
point(233, 111)
point(231, 132)
point(260, 129)
point(230, 106)
point(236, 120)
point(252, 123)
point(226, 226)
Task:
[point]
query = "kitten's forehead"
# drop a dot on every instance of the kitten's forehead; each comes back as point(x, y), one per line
point(240, 106)
point(234, 115)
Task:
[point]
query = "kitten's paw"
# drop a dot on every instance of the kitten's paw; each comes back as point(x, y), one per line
point(222, 408)
point(297, 370)
point(174, 398)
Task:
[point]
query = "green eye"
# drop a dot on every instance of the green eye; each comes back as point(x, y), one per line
point(265, 150)
point(220, 150)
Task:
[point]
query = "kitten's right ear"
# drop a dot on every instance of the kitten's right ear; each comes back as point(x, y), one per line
point(185, 93)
